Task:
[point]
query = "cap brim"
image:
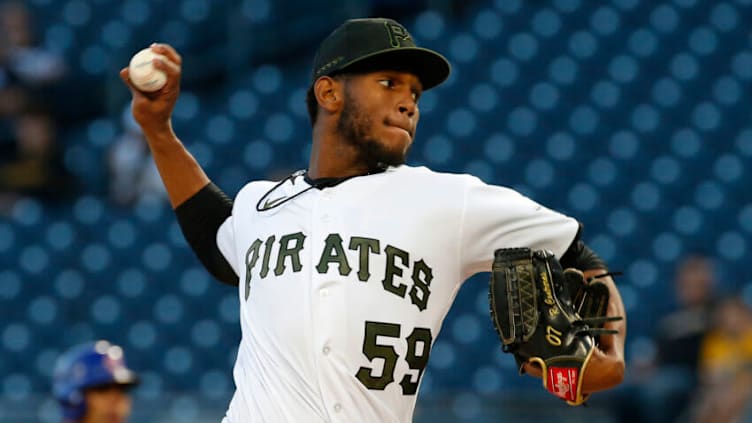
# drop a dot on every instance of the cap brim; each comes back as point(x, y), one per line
point(430, 67)
point(125, 383)
point(124, 376)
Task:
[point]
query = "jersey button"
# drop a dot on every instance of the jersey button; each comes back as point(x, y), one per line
point(337, 407)
point(326, 350)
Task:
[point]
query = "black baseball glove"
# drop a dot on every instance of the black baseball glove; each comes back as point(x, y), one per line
point(547, 316)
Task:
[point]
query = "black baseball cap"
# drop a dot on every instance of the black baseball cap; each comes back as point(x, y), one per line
point(378, 44)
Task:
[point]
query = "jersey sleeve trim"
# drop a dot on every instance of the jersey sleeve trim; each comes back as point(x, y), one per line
point(580, 256)
point(199, 218)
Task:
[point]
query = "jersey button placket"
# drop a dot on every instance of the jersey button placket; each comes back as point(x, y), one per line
point(326, 299)
point(326, 308)
point(326, 216)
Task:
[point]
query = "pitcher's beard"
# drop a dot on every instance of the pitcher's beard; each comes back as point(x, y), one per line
point(354, 126)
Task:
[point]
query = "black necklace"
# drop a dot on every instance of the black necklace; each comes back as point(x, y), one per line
point(319, 183)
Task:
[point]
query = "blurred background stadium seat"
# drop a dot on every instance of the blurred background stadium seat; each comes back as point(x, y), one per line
point(632, 115)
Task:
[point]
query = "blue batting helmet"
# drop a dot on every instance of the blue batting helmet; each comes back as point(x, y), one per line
point(86, 366)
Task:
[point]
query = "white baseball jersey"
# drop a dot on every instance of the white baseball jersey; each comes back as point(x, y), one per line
point(344, 289)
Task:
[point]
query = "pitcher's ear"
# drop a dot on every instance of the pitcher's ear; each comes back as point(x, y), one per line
point(328, 93)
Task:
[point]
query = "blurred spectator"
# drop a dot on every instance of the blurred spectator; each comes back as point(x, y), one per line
point(679, 335)
point(31, 160)
point(726, 366)
point(660, 387)
point(133, 175)
point(21, 60)
point(32, 165)
point(30, 71)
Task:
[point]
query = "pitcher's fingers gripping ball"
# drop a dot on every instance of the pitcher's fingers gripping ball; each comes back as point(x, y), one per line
point(142, 72)
point(534, 308)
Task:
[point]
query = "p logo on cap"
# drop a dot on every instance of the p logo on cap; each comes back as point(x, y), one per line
point(397, 34)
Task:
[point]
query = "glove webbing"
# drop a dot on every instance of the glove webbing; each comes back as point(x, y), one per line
point(521, 299)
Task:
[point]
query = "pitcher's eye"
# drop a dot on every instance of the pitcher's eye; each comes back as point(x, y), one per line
point(387, 83)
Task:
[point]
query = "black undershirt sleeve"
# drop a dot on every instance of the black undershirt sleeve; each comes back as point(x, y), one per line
point(199, 218)
point(580, 256)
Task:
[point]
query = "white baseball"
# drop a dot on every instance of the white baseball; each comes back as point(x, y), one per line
point(142, 73)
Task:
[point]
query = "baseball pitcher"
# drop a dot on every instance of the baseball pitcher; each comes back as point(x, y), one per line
point(345, 270)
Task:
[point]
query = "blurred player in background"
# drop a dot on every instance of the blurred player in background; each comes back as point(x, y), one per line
point(673, 376)
point(92, 384)
point(725, 363)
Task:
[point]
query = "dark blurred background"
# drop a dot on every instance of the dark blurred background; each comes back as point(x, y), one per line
point(631, 115)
